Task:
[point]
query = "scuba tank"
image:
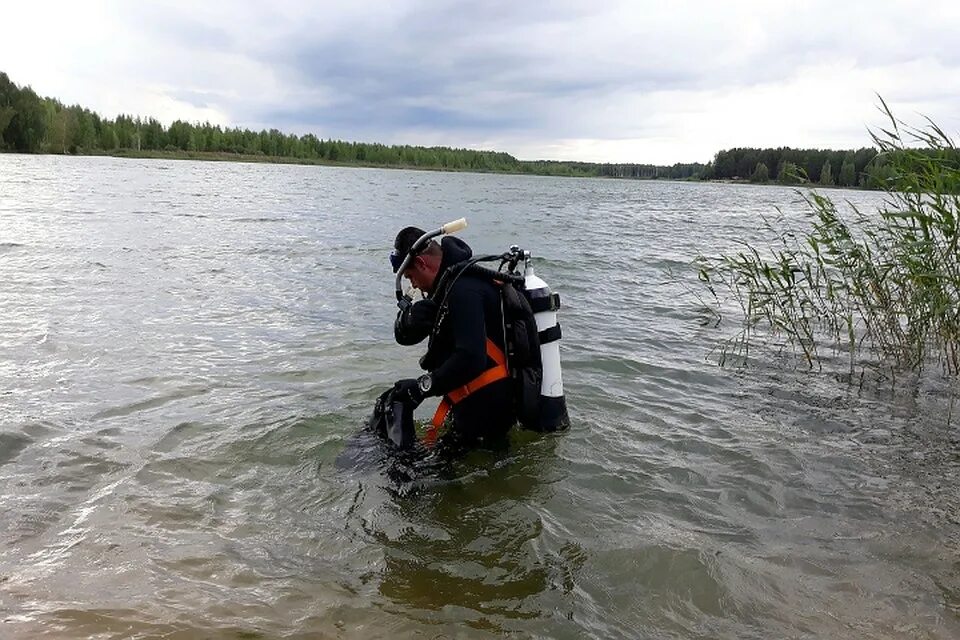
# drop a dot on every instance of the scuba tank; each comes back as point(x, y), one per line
point(544, 304)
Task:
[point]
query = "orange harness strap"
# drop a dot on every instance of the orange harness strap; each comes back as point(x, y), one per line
point(494, 373)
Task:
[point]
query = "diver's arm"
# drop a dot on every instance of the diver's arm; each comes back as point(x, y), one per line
point(469, 357)
point(414, 323)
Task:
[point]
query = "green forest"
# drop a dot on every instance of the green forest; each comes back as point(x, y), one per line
point(825, 167)
point(30, 123)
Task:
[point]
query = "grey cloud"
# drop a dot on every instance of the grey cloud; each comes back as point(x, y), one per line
point(468, 70)
point(183, 29)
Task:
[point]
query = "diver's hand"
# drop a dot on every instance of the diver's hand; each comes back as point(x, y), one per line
point(414, 323)
point(408, 390)
point(422, 313)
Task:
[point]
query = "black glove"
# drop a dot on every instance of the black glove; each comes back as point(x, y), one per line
point(408, 390)
point(415, 322)
point(422, 313)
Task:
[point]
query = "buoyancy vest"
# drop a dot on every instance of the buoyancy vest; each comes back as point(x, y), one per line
point(497, 372)
point(519, 361)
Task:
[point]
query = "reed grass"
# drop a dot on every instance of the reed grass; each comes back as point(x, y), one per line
point(882, 288)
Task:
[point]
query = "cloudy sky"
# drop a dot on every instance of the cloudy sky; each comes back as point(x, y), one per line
point(624, 81)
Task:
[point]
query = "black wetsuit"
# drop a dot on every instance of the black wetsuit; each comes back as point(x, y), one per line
point(467, 313)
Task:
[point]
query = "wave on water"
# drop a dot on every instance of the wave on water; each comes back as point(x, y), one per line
point(183, 452)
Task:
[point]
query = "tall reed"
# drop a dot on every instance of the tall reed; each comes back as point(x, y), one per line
point(883, 288)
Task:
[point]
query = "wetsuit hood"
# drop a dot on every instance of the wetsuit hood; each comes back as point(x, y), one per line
point(454, 251)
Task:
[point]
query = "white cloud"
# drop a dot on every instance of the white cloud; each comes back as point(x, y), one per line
point(618, 81)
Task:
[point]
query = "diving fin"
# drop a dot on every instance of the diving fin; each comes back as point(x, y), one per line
point(392, 420)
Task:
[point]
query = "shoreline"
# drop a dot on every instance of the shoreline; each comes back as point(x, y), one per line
point(225, 156)
point(773, 183)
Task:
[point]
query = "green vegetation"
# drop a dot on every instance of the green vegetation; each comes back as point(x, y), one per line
point(31, 124)
point(761, 174)
point(883, 288)
point(844, 168)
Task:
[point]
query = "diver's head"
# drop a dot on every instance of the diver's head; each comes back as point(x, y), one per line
point(422, 269)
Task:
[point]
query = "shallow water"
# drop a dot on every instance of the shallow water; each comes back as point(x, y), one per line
point(187, 349)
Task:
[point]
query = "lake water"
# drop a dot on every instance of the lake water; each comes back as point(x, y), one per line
point(187, 348)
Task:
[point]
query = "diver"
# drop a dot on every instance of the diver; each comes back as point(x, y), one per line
point(493, 345)
point(466, 366)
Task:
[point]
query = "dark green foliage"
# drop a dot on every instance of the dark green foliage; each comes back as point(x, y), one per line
point(790, 173)
point(761, 174)
point(649, 171)
point(31, 124)
point(85, 134)
point(848, 174)
point(8, 95)
point(884, 287)
point(22, 118)
point(826, 174)
point(741, 163)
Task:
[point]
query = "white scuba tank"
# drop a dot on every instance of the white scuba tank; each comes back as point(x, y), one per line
point(553, 406)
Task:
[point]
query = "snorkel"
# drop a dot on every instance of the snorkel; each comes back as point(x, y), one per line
point(404, 300)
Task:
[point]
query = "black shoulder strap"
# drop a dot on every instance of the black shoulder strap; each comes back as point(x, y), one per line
point(453, 273)
point(442, 291)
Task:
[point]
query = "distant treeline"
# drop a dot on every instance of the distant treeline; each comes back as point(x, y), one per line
point(608, 170)
point(851, 168)
point(33, 124)
point(865, 168)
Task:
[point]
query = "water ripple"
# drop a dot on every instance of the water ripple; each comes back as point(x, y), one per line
point(188, 352)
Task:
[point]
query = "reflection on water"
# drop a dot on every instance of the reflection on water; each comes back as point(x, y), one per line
point(470, 542)
point(188, 352)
